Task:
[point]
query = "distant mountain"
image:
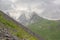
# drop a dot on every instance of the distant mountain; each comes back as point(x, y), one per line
point(22, 19)
point(26, 21)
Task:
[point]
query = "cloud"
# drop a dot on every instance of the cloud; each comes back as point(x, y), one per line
point(57, 2)
point(33, 5)
point(24, 4)
point(5, 5)
point(44, 8)
point(13, 1)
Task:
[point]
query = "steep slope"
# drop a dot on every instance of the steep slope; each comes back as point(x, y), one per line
point(16, 29)
point(48, 29)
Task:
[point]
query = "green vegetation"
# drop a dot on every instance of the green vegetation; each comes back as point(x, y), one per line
point(15, 29)
point(48, 29)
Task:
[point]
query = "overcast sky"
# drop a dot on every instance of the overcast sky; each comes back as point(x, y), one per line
point(46, 8)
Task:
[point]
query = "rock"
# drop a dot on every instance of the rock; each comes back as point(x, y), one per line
point(5, 35)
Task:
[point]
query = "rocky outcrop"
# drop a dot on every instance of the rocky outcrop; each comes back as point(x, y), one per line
point(5, 35)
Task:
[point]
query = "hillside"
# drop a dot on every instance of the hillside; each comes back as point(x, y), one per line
point(48, 29)
point(15, 29)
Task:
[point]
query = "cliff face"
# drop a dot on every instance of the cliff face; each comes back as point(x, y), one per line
point(12, 30)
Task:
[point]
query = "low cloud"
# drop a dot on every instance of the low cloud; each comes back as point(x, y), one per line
point(45, 8)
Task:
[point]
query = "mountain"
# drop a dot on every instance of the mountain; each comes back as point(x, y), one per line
point(26, 19)
point(48, 29)
point(12, 30)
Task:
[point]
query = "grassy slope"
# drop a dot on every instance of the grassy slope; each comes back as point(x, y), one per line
point(15, 29)
point(49, 30)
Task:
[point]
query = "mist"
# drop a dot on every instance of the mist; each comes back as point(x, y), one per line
point(49, 9)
